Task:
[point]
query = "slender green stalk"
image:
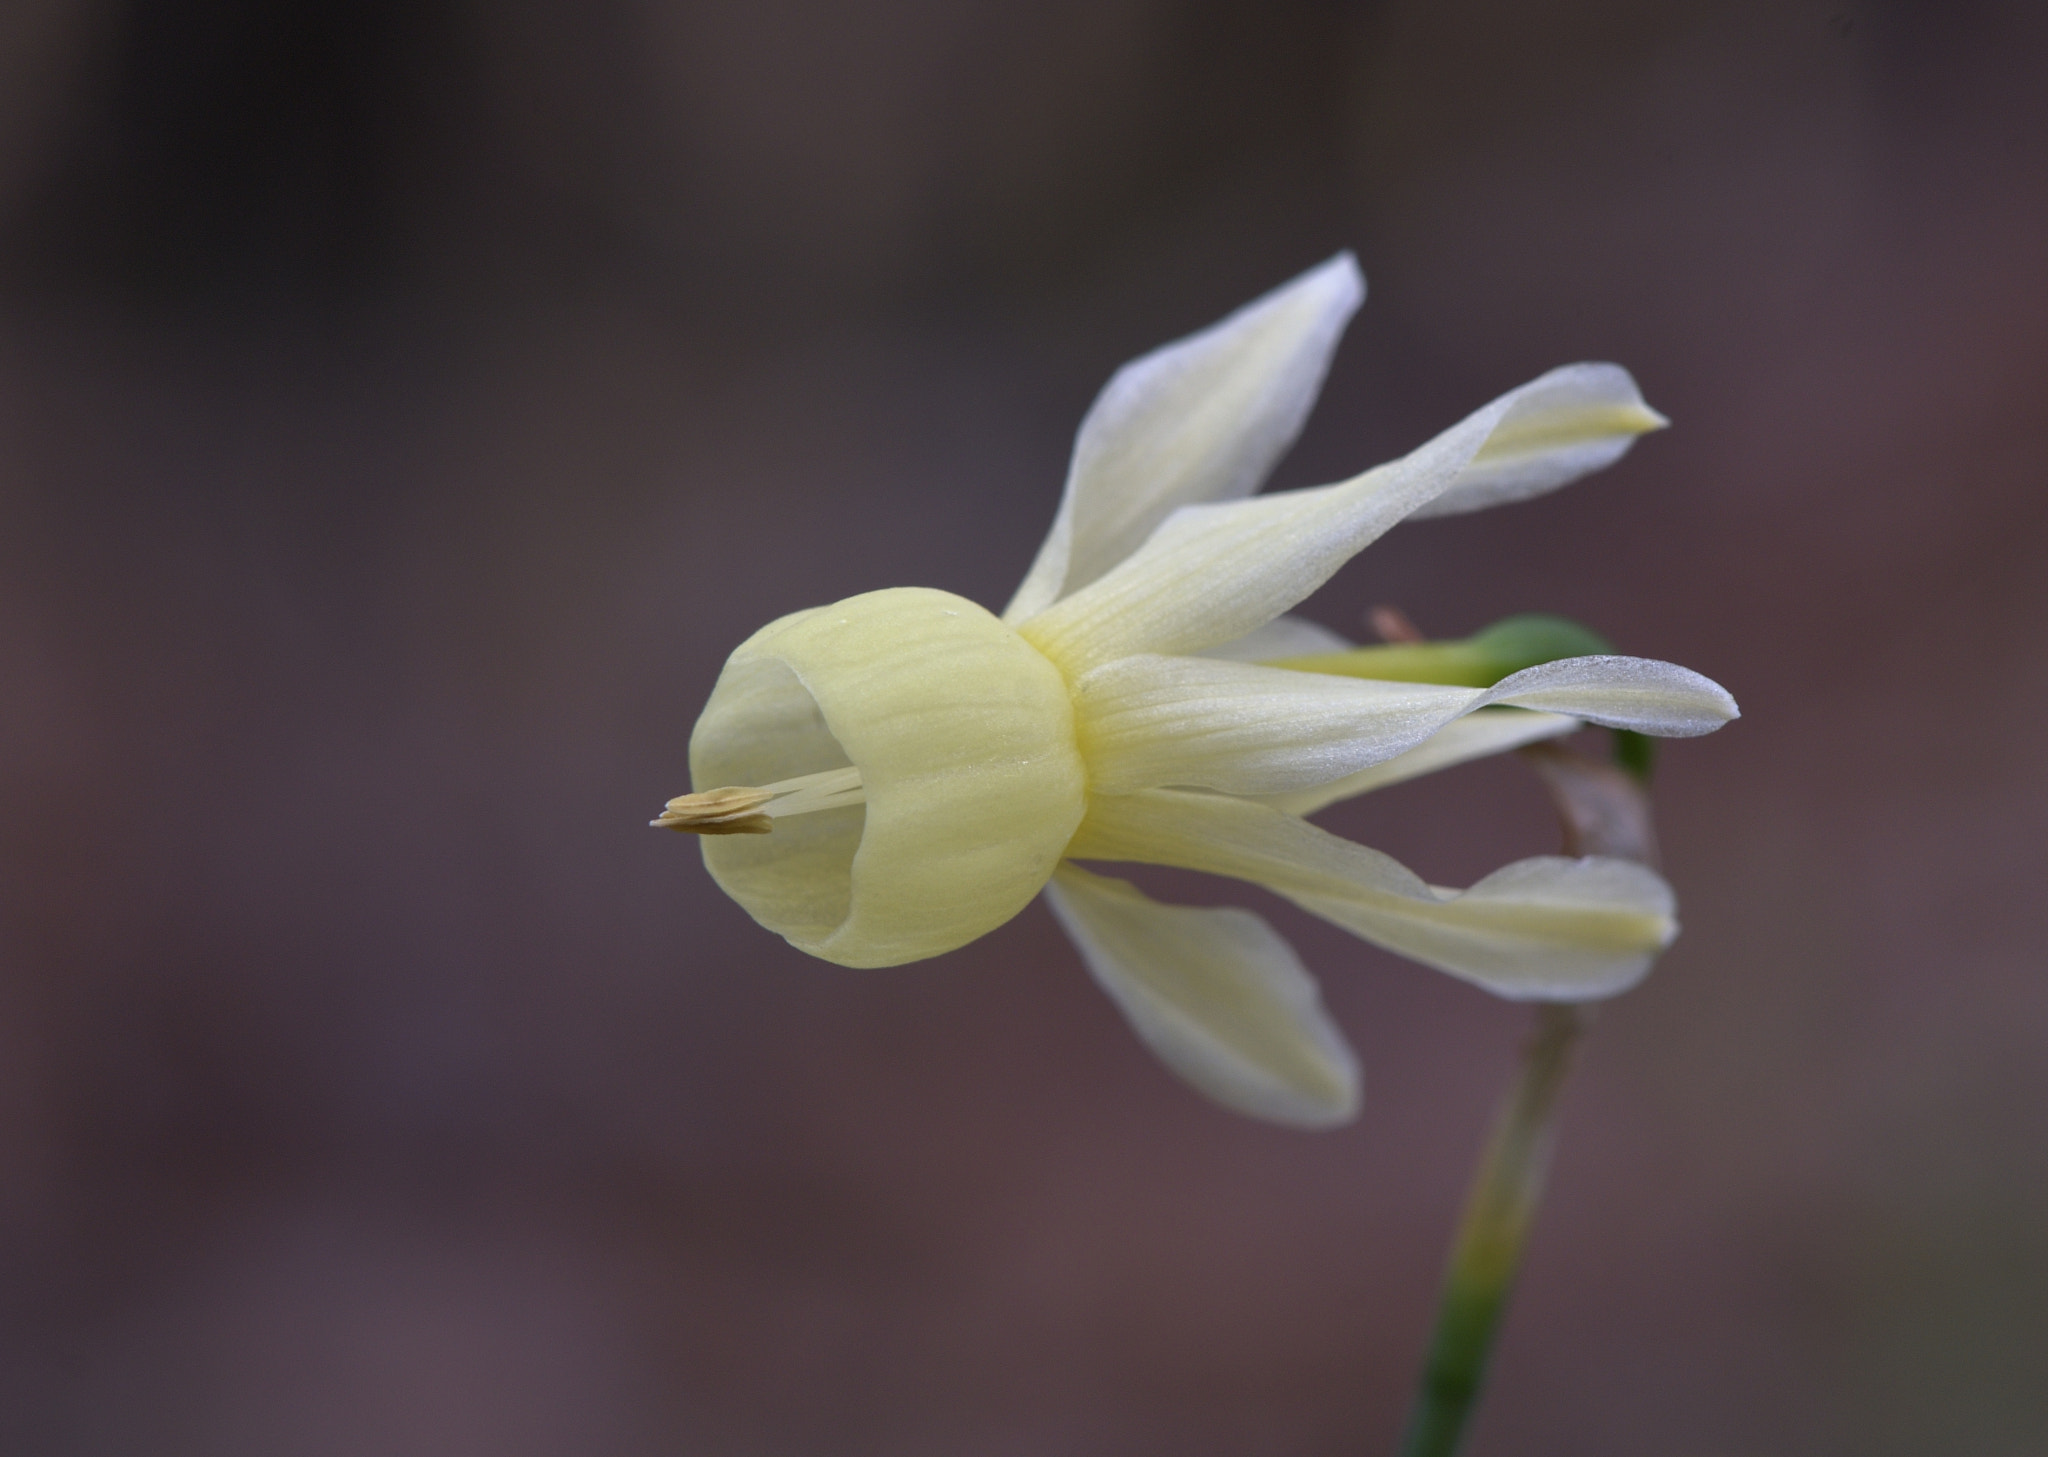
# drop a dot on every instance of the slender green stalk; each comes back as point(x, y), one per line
point(1488, 1250)
point(1603, 809)
point(1478, 661)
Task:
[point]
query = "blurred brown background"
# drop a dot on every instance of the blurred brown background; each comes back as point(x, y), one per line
point(404, 407)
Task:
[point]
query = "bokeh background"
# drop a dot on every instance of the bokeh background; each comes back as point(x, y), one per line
point(405, 404)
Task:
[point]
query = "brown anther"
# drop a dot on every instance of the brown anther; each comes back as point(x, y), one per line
point(1392, 625)
point(734, 810)
point(744, 825)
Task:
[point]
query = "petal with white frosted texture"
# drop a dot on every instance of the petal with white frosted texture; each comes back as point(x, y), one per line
point(1203, 419)
point(1151, 720)
point(1218, 995)
point(1213, 573)
point(1544, 928)
point(1592, 414)
point(1641, 694)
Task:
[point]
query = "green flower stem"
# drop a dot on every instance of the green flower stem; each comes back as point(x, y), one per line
point(1604, 811)
point(1479, 661)
point(1488, 1250)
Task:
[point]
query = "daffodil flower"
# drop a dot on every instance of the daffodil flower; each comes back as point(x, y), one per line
point(889, 777)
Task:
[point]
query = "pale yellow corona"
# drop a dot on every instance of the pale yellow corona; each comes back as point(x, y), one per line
point(953, 743)
point(890, 777)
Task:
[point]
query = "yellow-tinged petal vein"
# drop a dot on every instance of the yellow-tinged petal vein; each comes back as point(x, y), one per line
point(1489, 731)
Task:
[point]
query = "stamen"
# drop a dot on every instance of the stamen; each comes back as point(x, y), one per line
point(739, 810)
point(731, 811)
point(810, 792)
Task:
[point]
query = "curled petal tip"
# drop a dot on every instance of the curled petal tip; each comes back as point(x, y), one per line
point(1645, 419)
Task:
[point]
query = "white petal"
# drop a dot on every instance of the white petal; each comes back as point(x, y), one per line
point(1591, 414)
point(1625, 693)
point(1150, 720)
point(1204, 419)
point(1490, 731)
point(1283, 637)
point(1544, 928)
point(1218, 995)
point(1212, 573)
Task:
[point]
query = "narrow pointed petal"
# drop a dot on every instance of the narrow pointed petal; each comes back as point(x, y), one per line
point(1590, 415)
point(1149, 721)
point(1642, 694)
point(1283, 637)
point(1204, 419)
point(1491, 731)
point(1544, 928)
point(1218, 995)
point(1213, 573)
